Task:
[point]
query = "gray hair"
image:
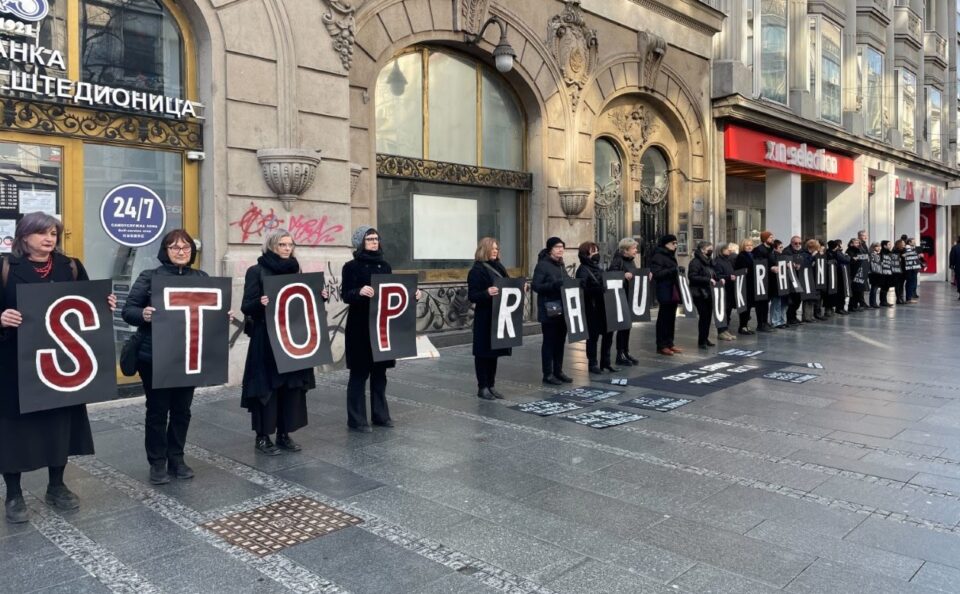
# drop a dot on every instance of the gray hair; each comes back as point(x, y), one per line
point(34, 222)
point(272, 239)
point(626, 243)
point(702, 245)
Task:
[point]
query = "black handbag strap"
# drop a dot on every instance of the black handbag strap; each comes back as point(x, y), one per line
point(493, 270)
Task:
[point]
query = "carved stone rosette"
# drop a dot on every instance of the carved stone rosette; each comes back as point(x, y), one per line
point(635, 123)
point(340, 24)
point(573, 46)
point(471, 15)
point(573, 201)
point(652, 48)
point(288, 172)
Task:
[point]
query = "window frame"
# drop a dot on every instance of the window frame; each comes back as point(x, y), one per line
point(757, 37)
point(928, 115)
point(817, 23)
point(898, 77)
point(863, 74)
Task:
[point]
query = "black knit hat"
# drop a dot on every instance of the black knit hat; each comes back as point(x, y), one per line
point(554, 241)
point(666, 239)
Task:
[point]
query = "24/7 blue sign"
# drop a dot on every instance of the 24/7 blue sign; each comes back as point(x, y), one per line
point(133, 215)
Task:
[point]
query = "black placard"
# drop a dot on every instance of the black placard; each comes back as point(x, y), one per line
point(705, 377)
point(190, 330)
point(844, 287)
point(784, 264)
point(790, 376)
point(657, 403)
point(615, 302)
point(820, 266)
point(832, 280)
point(604, 417)
point(506, 324)
point(686, 299)
point(719, 304)
point(585, 395)
point(393, 316)
point(546, 408)
point(641, 297)
point(573, 311)
point(808, 284)
point(65, 349)
point(297, 321)
point(740, 292)
point(760, 280)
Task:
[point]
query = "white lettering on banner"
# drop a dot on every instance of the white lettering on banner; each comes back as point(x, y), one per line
point(617, 286)
point(95, 95)
point(508, 304)
point(574, 310)
point(801, 156)
point(761, 278)
point(640, 299)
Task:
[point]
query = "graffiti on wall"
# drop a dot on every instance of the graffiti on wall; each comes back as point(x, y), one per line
point(305, 230)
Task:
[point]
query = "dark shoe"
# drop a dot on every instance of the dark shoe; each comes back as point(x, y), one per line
point(179, 469)
point(360, 428)
point(265, 446)
point(158, 473)
point(549, 379)
point(709, 343)
point(16, 509)
point(496, 394)
point(61, 498)
point(746, 331)
point(485, 394)
point(285, 442)
point(782, 327)
point(610, 368)
point(765, 329)
point(676, 350)
point(563, 377)
point(623, 361)
point(631, 358)
point(594, 369)
point(821, 318)
point(666, 351)
point(387, 423)
point(701, 345)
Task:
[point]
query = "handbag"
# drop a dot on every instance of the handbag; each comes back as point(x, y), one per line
point(129, 354)
point(553, 309)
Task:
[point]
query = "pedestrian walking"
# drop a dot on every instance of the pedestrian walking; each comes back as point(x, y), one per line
point(45, 438)
point(277, 401)
point(481, 291)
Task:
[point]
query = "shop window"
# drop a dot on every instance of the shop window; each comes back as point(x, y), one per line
point(826, 68)
point(934, 122)
point(133, 44)
point(870, 83)
point(774, 32)
point(907, 107)
point(441, 109)
point(30, 180)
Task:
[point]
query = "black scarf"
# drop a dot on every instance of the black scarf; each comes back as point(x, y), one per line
point(368, 257)
point(496, 265)
point(277, 265)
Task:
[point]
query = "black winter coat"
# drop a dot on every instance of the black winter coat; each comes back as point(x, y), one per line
point(666, 275)
point(621, 262)
point(356, 275)
point(547, 282)
point(260, 375)
point(591, 280)
point(140, 298)
point(479, 280)
point(744, 261)
point(700, 273)
point(48, 437)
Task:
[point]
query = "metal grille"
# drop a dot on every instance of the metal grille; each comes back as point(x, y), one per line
point(281, 524)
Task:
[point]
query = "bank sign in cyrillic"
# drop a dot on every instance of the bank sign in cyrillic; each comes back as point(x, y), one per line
point(133, 215)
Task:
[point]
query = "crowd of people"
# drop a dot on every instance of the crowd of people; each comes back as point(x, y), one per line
point(277, 401)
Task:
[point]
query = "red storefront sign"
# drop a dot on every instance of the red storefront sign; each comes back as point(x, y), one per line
point(772, 152)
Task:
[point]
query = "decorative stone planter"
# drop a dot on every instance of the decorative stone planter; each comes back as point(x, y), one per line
point(289, 172)
point(573, 201)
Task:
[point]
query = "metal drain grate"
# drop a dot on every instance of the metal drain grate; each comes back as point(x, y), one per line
point(282, 524)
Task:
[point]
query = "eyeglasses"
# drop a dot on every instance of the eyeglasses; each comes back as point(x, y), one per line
point(377, 239)
point(182, 249)
point(286, 245)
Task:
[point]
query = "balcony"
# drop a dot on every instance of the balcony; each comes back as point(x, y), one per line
point(907, 27)
point(935, 48)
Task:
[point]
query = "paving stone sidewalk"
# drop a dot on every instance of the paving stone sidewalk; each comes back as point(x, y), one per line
point(848, 482)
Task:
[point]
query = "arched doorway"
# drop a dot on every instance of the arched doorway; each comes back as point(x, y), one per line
point(608, 197)
point(654, 186)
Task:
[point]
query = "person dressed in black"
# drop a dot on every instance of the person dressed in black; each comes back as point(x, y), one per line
point(276, 401)
point(481, 291)
point(898, 254)
point(744, 261)
point(703, 278)
point(357, 293)
point(859, 268)
point(168, 409)
point(625, 260)
point(955, 264)
point(843, 271)
point(548, 277)
point(798, 256)
point(723, 265)
point(763, 254)
point(666, 276)
point(876, 276)
point(591, 279)
point(45, 438)
point(887, 271)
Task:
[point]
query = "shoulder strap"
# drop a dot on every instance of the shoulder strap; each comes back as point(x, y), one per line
point(493, 270)
point(6, 271)
point(73, 270)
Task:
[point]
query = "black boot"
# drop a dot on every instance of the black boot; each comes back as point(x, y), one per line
point(265, 446)
point(623, 360)
point(496, 394)
point(563, 377)
point(16, 509)
point(606, 366)
point(633, 360)
point(592, 368)
point(158, 473)
point(285, 442)
point(485, 394)
point(179, 469)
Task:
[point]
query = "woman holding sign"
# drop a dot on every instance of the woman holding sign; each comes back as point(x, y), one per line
point(45, 438)
point(168, 409)
point(276, 401)
point(548, 279)
point(591, 280)
point(481, 290)
point(666, 275)
point(703, 278)
point(625, 261)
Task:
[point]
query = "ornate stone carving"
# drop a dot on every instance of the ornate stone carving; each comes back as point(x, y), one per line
point(454, 173)
point(355, 170)
point(573, 201)
point(652, 49)
point(635, 123)
point(471, 15)
point(288, 172)
point(341, 26)
point(573, 46)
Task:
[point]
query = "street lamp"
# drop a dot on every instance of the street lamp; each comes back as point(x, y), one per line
point(503, 54)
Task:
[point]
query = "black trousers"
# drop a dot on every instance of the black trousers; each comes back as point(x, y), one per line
point(856, 299)
point(743, 319)
point(605, 345)
point(899, 285)
point(763, 313)
point(623, 341)
point(666, 325)
point(486, 368)
point(167, 420)
point(704, 318)
point(357, 400)
point(792, 309)
point(551, 351)
point(284, 412)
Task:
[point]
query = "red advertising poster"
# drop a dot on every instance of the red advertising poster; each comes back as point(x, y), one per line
point(928, 236)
